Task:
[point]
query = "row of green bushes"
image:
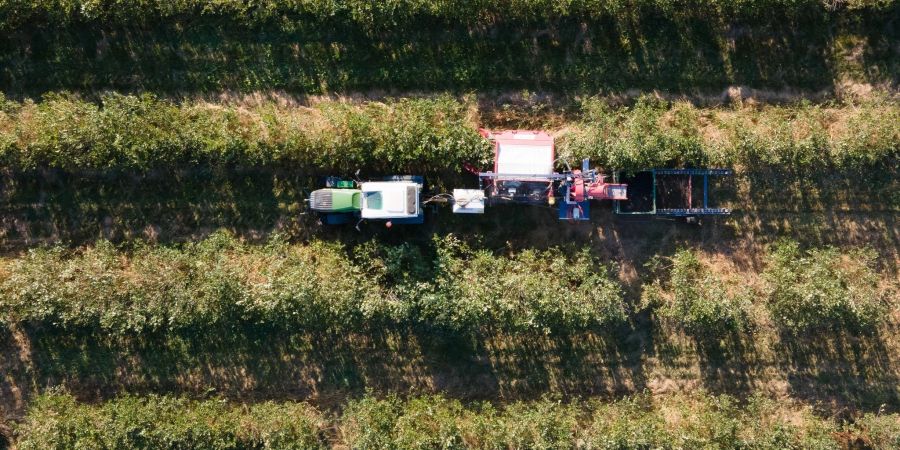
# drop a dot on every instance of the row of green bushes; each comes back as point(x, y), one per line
point(801, 138)
point(687, 292)
point(380, 15)
point(803, 290)
point(57, 421)
point(425, 136)
point(222, 282)
point(143, 132)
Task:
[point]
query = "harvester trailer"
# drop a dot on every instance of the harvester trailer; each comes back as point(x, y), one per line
point(524, 173)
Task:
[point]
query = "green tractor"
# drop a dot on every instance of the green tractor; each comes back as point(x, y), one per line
point(396, 200)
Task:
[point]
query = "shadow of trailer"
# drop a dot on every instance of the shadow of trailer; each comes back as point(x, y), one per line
point(678, 193)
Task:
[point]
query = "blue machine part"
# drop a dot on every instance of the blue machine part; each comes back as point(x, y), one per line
point(685, 212)
point(338, 218)
point(345, 218)
point(580, 211)
point(418, 220)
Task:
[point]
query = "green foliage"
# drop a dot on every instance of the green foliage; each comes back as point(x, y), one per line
point(223, 282)
point(880, 431)
point(57, 421)
point(325, 46)
point(631, 423)
point(460, 289)
point(380, 15)
point(436, 135)
point(391, 423)
point(531, 290)
point(214, 282)
point(545, 424)
point(694, 297)
point(823, 288)
point(802, 138)
point(436, 422)
point(631, 138)
point(704, 422)
point(143, 132)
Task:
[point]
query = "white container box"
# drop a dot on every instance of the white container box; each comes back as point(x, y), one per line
point(468, 201)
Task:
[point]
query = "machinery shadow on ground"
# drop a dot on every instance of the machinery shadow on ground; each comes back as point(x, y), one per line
point(175, 206)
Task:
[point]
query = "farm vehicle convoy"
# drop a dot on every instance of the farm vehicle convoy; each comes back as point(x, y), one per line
point(523, 173)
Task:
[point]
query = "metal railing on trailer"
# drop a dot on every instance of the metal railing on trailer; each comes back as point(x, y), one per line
point(677, 196)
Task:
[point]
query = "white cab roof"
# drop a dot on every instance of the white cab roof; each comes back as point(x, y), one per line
point(390, 199)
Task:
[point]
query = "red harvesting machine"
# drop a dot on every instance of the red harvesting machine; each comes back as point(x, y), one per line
point(523, 172)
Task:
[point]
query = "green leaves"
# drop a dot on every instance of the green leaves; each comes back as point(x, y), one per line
point(815, 289)
point(634, 138)
point(433, 135)
point(463, 289)
point(691, 295)
point(127, 132)
point(223, 282)
point(214, 282)
point(372, 16)
point(57, 421)
point(823, 288)
point(802, 138)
